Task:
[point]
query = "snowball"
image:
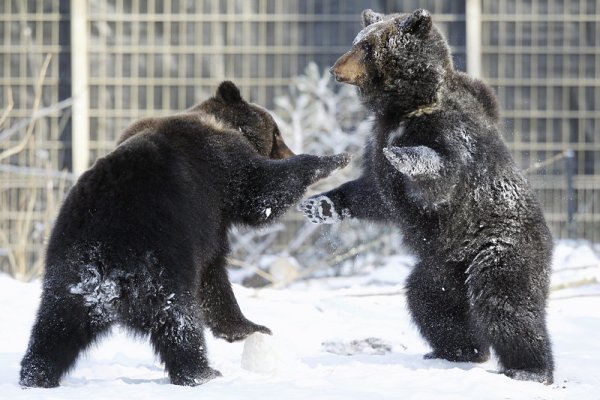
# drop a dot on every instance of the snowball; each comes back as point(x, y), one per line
point(265, 353)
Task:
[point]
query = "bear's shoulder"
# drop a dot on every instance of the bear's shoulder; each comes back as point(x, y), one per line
point(185, 129)
point(483, 95)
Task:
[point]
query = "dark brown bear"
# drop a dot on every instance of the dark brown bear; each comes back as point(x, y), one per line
point(436, 166)
point(141, 238)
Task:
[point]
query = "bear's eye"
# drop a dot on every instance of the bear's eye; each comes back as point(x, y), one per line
point(366, 46)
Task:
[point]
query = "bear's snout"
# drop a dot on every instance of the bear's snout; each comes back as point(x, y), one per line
point(350, 68)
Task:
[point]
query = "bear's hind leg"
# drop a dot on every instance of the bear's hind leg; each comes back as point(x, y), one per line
point(511, 311)
point(64, 327)
point(176, 333)
point(438, 305)
point(221, 311)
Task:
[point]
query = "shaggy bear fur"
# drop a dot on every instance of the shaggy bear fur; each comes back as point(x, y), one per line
point(141, 239)
point(436, 166)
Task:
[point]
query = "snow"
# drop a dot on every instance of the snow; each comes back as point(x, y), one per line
point(396, 134)
point(369, 31)
point(265, 353)
point(414, 161)
point(97, 292)
point(335, 338)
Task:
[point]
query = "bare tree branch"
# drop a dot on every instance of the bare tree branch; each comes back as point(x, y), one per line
point(9, 107)
point(36, 105)
point(41, 113)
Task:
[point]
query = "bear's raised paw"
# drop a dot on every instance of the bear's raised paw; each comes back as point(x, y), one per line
point(321, 210)
point(238, 330)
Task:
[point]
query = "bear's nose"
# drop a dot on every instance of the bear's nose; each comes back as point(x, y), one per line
point(333, 72)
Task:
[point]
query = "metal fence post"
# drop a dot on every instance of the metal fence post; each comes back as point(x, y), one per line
point(571, 205)
point(79, 86)
point(473, 30)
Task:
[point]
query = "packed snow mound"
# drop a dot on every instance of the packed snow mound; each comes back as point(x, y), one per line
point(266, 353)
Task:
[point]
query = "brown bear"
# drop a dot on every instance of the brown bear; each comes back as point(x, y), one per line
point(141, 238)
point(437, 167)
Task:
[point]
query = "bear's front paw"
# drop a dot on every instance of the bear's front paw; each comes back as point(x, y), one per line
point(320, 210)
point(240, 330)
point(330, 164)
point(340, 160)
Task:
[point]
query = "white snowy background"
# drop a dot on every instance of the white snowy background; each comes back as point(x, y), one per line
point(320, 350)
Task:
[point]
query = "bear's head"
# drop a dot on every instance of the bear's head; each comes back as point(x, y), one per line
point(398, 62)
point(254, 122)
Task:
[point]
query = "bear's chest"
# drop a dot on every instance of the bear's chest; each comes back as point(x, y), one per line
point(393, 186)
point(403, 135)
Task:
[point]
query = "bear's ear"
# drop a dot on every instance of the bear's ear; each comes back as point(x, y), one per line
point(370, 17)
point(228, 92)
point(417, 23)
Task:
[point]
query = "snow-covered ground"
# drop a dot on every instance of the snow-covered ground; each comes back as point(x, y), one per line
point(319, 350)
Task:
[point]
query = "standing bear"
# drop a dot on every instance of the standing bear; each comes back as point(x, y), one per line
point(436, 166)
point(141, 238)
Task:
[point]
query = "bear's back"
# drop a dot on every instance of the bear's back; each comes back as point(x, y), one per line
point(173, 175)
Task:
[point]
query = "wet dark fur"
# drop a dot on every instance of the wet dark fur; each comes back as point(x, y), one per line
point(141, 239)
point(484, 248)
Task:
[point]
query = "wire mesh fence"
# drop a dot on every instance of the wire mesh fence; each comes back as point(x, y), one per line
point(542, 57)
point(159, 57)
